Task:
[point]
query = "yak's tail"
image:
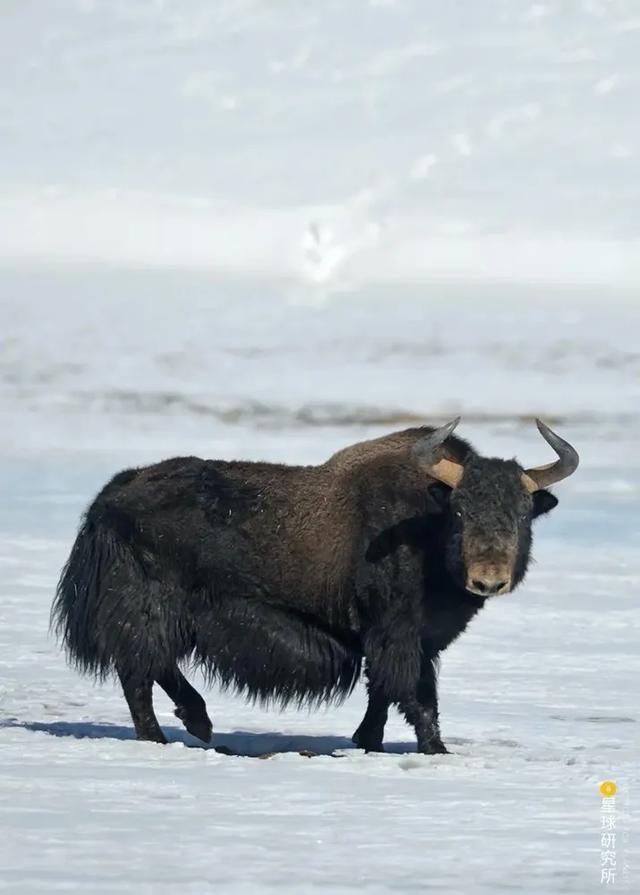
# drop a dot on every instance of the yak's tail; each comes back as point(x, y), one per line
point(80, 597)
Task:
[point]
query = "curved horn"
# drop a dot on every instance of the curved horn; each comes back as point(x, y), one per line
point(427, 451)
point(542, 476)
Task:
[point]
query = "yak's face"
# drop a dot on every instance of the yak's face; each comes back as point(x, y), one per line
point(489, 517)
point(489, 507)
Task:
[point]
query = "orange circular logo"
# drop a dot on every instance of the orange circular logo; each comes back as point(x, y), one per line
point(607, 788)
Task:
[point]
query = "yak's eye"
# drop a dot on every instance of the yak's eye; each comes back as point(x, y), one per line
point(458, 514)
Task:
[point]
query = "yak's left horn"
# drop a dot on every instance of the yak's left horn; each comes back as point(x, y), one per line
point(428, 451)
point(542, 476)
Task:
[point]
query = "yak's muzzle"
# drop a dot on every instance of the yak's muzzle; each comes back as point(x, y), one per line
point(488, 580)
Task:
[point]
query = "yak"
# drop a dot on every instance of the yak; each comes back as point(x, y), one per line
point(283, 581)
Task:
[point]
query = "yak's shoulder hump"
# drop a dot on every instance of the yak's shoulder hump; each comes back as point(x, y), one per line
point(396, 445)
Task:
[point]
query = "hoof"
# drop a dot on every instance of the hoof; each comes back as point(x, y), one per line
point(435, 748)
point(367, 742)
point(153, 736)
point(199, 727)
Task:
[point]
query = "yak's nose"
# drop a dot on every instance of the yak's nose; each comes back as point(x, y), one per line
point(489, 587)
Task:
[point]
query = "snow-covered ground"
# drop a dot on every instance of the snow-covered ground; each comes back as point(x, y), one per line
point(266, 230)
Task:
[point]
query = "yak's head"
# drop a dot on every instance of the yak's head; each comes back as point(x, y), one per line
point(489, 505)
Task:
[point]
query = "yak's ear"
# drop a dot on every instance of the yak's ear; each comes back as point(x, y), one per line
point(439, 495)
point(543, 502)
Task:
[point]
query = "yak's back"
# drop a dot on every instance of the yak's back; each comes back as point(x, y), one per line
point(217, 488)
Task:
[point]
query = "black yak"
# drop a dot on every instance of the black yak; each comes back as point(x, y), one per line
point(279, 580)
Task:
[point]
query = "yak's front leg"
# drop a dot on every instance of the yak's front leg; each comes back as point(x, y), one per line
point(421, 710)
point(370, 733)
point(399, 669)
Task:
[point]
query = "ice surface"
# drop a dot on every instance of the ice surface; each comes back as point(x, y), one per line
point(267, 230)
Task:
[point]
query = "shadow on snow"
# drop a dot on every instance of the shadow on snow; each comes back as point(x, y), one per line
point(238, 742)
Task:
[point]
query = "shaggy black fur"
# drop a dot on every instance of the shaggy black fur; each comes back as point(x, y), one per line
point(279, 580)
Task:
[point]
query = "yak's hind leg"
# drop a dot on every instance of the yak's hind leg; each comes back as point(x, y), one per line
point(370, 733)
point(190, 706)
point(137, 692)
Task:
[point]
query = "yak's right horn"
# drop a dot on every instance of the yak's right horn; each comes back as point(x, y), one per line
point(542, 476)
